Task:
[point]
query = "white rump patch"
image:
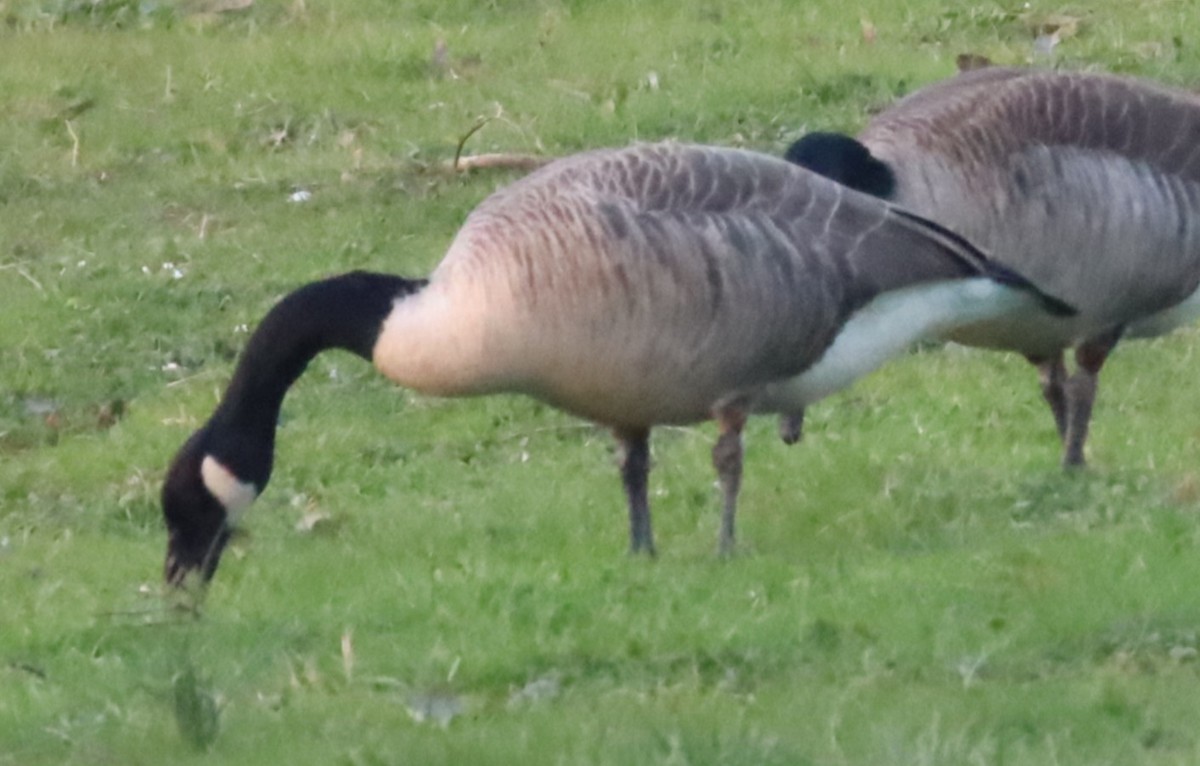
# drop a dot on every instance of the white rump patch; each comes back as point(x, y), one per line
point(890, 324)
point(232, 492)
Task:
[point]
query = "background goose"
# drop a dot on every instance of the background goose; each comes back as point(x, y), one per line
point(656, 284)
point(1087, 184)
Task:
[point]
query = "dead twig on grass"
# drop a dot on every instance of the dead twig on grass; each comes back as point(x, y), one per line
point(493, 160)
point(498, 161)
point(479, 123)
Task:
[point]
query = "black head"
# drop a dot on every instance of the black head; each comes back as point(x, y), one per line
point(197, 522)
point(845, 160)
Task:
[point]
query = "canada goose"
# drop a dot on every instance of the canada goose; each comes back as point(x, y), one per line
point(1087, 184)
point(655, 284)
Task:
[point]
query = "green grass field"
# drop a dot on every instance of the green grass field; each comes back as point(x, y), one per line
point(447, 582)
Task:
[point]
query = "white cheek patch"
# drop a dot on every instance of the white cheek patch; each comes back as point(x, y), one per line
point(232, 492)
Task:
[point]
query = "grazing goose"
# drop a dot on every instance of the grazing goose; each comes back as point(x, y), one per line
point(656, 284)
point(1087, 184)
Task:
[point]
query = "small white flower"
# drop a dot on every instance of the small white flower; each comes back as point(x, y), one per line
point(300, 195)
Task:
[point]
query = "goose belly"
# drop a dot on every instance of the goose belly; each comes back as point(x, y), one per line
point(635, 369)
point(620, 389)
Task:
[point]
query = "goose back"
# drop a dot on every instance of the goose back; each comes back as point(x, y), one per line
point(646, 285)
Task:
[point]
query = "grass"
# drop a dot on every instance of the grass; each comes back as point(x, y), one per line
point(446, 582)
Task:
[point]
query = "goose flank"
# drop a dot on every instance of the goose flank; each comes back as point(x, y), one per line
point(1087, 184)
point(656, 284)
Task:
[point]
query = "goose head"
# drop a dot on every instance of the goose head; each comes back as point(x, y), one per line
point(224, 466)
point(845, 160)
point(201, 498)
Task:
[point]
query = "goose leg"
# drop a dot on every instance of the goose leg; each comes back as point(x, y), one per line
point(727, 459)
point(635, 472)
point(1081, 394)
point(1052, 374)
point(791, 427)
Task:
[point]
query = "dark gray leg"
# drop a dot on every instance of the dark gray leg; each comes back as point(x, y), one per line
point(1052, 374)
point(727, 459)
point(635, 471)
point(791, 427)
point(1081, 393)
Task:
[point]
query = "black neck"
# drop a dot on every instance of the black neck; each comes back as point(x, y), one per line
point(345, 312)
